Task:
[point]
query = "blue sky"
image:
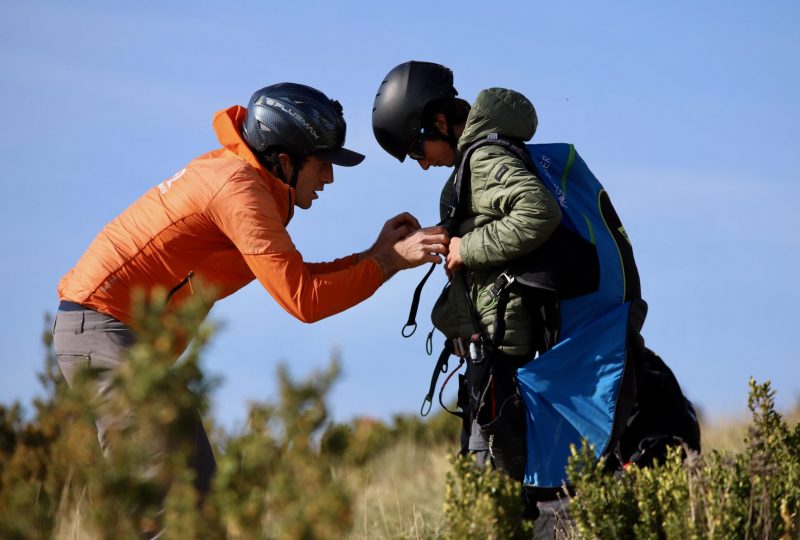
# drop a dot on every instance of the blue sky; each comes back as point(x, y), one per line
point(688, 112)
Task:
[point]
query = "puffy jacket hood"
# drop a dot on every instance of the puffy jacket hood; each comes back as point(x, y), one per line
point(502, 111)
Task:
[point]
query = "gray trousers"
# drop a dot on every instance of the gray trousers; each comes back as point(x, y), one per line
point(88, 339)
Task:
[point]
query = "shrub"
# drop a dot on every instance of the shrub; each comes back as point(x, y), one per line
point(483, 503)
point(752, 494)
point(272, 480)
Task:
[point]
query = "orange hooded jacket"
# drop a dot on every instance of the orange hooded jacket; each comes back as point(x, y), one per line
point(222, 219)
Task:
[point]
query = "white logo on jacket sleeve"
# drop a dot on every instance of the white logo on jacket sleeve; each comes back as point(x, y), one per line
point(167, 184)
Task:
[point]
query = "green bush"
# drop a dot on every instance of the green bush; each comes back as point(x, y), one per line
point(272, 480)
point(483, 503)
point(752, 494)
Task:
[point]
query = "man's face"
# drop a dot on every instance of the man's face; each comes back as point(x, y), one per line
point(311, 179)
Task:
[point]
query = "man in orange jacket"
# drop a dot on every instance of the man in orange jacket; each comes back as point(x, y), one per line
point(222, 220)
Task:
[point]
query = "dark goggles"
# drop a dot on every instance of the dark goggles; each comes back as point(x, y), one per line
point(417, 149)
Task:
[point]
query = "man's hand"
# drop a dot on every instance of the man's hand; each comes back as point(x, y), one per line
point(403, 244)
point(398, 227)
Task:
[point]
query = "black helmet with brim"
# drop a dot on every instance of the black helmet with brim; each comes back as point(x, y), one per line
point(300, 120)
point(401, 100)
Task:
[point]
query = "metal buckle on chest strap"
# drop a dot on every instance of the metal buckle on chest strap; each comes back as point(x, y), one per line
point(502, 282)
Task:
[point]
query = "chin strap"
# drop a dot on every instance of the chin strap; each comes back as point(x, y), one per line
point(293, 180)
point(275, 165)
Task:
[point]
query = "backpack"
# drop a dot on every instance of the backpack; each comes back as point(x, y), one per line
point(594, 380)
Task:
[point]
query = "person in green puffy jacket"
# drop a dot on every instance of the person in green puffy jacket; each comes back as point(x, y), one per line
point(505, 213)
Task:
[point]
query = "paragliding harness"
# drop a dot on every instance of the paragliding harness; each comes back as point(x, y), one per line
point(618, 395)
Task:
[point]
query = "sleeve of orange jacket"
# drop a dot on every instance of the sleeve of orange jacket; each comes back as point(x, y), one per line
point(247, 214)
point(225, 272)
point(332, 266)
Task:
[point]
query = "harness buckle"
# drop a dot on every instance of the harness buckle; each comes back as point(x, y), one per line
point(502, 282)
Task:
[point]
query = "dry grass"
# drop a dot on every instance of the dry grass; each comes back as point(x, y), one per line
point(400, 494)
point(727, 434)
point(71, 522)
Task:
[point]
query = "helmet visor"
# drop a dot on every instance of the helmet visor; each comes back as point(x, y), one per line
point(340, 156)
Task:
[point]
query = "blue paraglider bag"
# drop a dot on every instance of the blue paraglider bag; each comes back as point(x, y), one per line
point(572, 391)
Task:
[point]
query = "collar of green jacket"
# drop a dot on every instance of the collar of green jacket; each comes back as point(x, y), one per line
point(228, 127)
point(501, 111)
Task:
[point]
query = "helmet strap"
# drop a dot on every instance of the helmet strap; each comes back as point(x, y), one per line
point(293, 180)
point(274, 165)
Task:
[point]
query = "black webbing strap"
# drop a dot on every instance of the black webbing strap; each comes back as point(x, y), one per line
point(499, 291)
point(412, 313)
point(441, 367)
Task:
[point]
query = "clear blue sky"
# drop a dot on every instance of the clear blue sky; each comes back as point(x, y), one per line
point(687, 111)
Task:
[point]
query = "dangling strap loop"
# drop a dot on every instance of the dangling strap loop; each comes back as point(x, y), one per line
point(460, 414)
point(441, 366)
point(412, 314)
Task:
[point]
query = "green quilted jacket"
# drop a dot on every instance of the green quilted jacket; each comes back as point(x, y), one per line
point(510, 214)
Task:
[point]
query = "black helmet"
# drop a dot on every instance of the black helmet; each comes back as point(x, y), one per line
point(401, 99)
point(299, 119)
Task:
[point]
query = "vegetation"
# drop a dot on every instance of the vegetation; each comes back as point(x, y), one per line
point(754, 493)
point(293, 473)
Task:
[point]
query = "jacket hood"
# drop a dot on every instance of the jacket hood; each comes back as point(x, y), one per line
point(228, 127)
point(501, 111)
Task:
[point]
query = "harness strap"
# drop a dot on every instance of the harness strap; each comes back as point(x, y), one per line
point(412, 314)
point(480, 362)
point(512, 145)
point(500, 290)
point(460, 414)
point(441, 367)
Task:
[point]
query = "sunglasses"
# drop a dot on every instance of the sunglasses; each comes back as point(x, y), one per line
point(417, 150)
